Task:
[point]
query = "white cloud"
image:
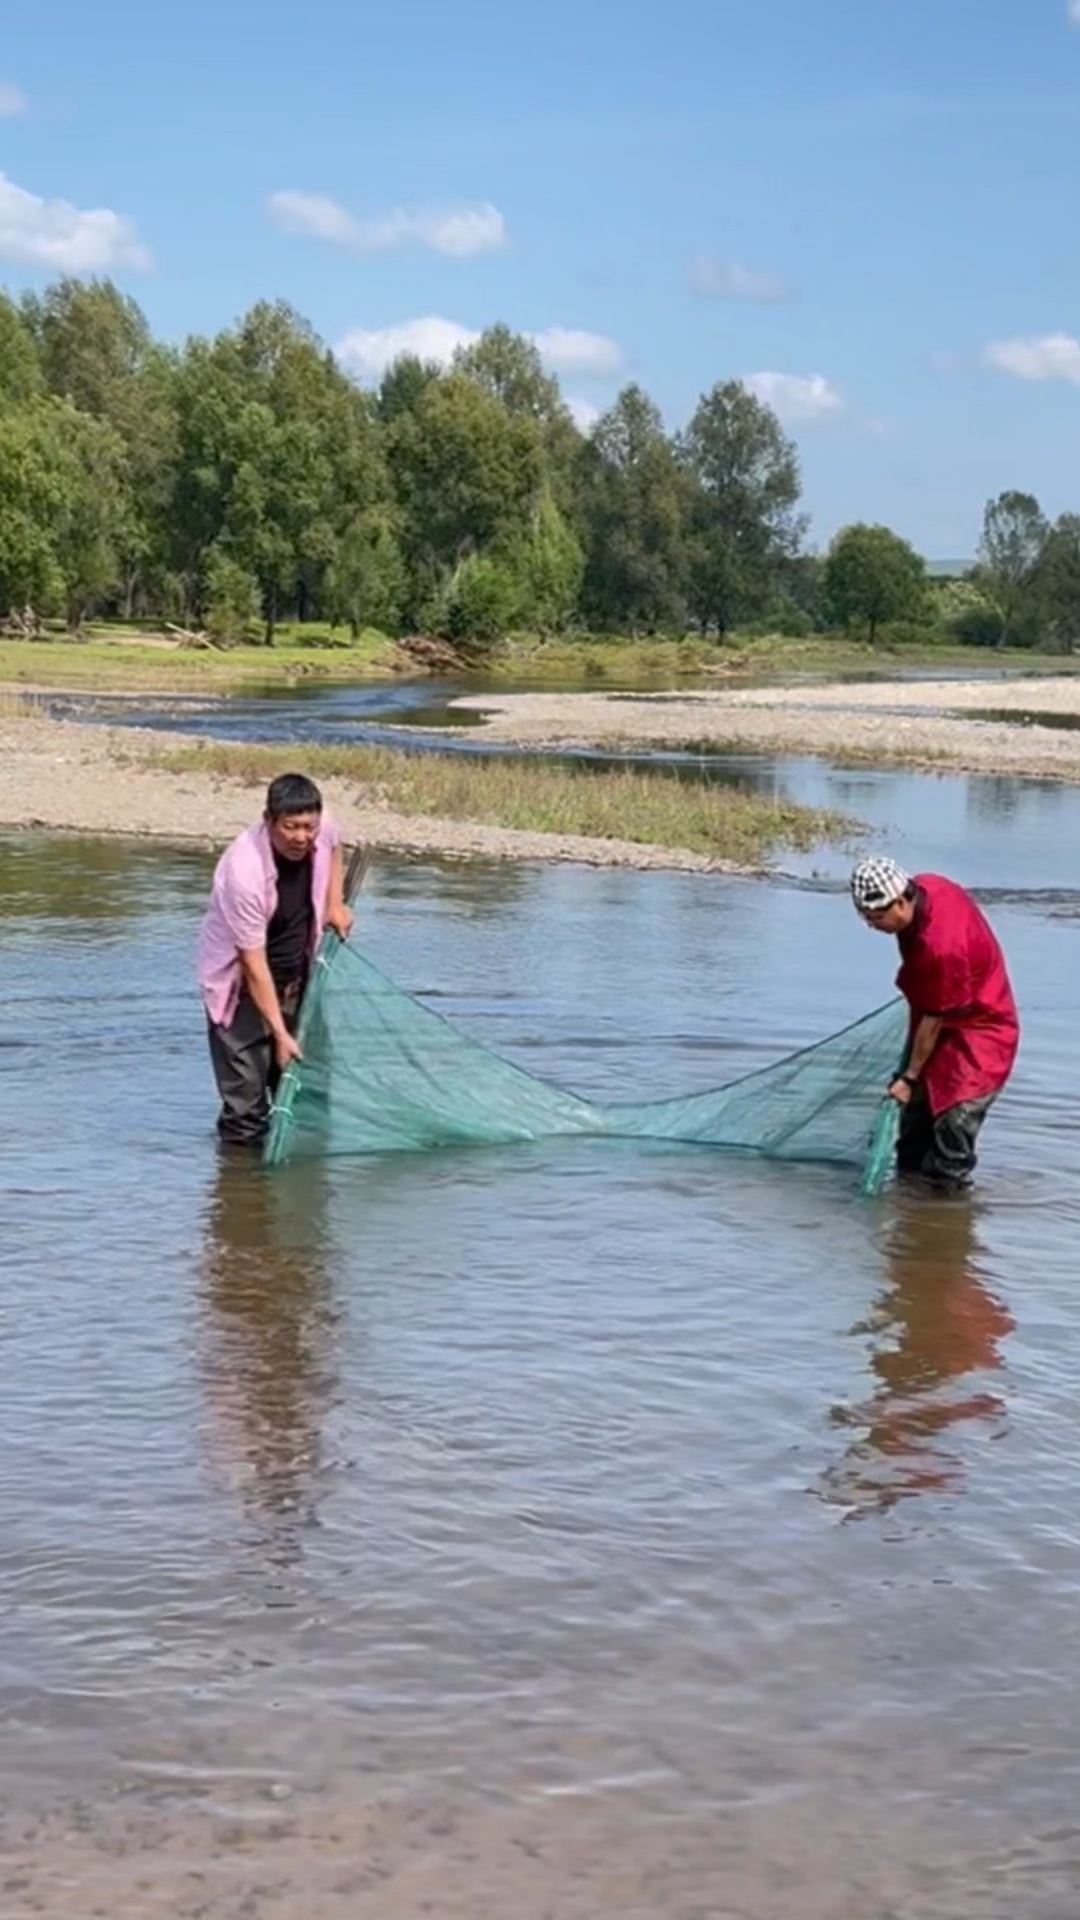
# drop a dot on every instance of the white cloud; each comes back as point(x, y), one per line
point(460, 232)
point(727, 280)
point(369, 353)
point(571, 351)
point(798, 399)
point(1074, 12)
point(1048, 356)
point(12, 100)
point(582, 412)
point(313, 216)
point(63, 238)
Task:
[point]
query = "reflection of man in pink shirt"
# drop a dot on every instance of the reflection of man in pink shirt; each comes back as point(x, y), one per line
point(274, 891)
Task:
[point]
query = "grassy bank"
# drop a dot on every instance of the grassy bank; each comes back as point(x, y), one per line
point(127, 662)
point(648, 809)
point(122, 660)
point(592, 659)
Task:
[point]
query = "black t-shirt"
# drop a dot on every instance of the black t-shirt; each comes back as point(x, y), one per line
point(288, 937)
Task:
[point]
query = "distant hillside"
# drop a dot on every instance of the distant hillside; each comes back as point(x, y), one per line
point(948, 569)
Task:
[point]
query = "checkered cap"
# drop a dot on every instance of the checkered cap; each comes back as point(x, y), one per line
point(877, 883)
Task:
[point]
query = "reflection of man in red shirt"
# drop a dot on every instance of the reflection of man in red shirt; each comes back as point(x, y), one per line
point(964, 1030)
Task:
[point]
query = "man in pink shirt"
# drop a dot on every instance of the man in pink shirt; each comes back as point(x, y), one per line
point(963, 1032)
point(274, 891)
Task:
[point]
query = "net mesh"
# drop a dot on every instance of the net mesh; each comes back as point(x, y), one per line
point(881, 1151)
point(383, 1072)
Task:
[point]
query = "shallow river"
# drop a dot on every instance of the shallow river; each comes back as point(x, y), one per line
point(582, 1530)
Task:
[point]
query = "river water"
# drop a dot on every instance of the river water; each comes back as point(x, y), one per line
point(571, 1530)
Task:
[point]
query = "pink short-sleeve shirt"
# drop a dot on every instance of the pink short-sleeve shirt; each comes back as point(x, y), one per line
point(243, 899)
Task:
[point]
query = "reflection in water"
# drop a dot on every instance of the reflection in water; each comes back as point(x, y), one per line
point(934, 1324)
point(473, 889)
point(1000, 797)
point(267, 1347)
point(105, 882)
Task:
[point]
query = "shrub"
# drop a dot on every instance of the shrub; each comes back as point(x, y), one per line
point(233, 600)
point(977, 625)
point(478, 605)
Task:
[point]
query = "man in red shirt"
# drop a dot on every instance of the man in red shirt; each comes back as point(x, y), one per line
point(964, 1030)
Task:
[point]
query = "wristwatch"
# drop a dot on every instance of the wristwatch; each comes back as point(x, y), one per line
point(909, 1079)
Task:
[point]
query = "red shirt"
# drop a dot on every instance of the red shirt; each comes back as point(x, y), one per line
point(953, 969)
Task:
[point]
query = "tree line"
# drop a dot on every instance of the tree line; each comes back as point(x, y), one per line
point(238, 482)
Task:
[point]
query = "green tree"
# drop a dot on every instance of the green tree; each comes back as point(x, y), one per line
point(93, 342)
point(278, 454)
point(549, 566)
point(403, 383)
point(97, 353)
point(34, 485)
point(479, 603)
point(963, 610)
point(744, 527)
point(635, 501)
point(366, 580)
point(873, 576)
point(20, 370)
point(224, 453)
point(800, 608)
point(231, 598)
point(1008, 567)
point(509, 367)
point(94, 531)
point(293, 380)
point(468, 478)
point(1059, 584)
point(62, 509)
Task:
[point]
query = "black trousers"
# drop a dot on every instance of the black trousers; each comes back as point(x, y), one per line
point(941, 1146)
point(246, 1070)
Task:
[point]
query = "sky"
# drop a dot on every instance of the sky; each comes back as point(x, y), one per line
point(862, 208)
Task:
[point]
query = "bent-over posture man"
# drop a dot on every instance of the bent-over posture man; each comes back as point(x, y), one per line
point(964, 1030)
point(274, 890)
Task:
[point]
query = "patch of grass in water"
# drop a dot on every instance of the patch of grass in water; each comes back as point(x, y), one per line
point(644, 807)
point(22, 706)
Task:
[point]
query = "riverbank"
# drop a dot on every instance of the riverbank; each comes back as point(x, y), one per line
point(146, 662)
point(926, 723)
point(64, 776)
point(129, 661)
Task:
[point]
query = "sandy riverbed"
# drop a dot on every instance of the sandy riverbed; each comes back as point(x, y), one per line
point(912, 723)
point(65, 775)
point(68, 777)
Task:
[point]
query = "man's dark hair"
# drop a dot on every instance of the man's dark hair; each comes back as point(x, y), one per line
point(292, 793)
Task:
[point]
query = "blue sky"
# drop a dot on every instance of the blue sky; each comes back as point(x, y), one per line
point(864, 207)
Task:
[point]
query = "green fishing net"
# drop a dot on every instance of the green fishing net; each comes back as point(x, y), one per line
point(881, 1149)
point(382, 1072)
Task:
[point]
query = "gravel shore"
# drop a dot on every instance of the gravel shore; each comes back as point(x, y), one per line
point(912, 723)
point(68, 776)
